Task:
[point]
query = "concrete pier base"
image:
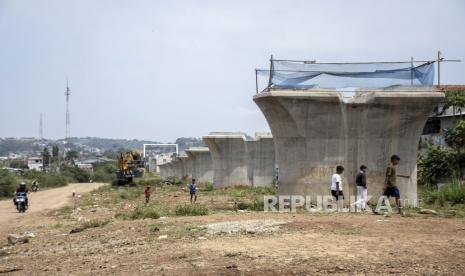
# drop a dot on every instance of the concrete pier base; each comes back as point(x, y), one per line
point(262, 161)
point(316, 130)
point(202, 166)
point(238, 161)
point(230, 159)
point(186, 166)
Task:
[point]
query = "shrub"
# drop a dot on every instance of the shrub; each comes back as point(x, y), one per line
point(94, 223)
point(453, 193)
point(8, 183)
point(75, 174)
point(255, 205)
point(191, 210)
point(32, 174)
point(105, 172)
point(207, 187)
point(436, 164)
point(52, 180)
point(141, 212)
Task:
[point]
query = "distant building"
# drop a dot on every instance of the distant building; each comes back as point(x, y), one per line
point(13, 155)
point(35, 163)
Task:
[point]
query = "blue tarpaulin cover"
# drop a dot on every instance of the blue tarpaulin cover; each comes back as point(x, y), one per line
point(303, 75)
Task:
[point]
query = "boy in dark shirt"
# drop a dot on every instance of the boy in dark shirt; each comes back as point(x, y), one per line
point(390, 187)
point(361, 181)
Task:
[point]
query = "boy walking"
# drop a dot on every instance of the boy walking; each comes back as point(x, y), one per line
point(336, 185)
point(193, 190)
point(390, 187)
point(361, 181)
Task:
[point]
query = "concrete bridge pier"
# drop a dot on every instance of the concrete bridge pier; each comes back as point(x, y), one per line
point(202, 167)
point(186, 166)
point(229, 156)
point(316, 130)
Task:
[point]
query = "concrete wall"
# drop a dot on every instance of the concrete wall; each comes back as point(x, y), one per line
point(238, 161)
point(314, 131)
point(202, 167)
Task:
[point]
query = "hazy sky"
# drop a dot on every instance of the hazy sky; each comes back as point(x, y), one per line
point(159, 70)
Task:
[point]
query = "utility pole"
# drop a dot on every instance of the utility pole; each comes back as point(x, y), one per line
point(41, 128)
point(68, 122)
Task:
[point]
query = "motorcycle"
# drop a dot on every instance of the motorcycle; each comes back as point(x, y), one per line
point(21, 205)
point(34, 188)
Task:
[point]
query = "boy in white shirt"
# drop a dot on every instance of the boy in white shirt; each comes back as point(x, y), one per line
point(336, 184)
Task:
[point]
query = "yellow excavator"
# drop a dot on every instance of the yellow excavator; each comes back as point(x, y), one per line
point(131, 165)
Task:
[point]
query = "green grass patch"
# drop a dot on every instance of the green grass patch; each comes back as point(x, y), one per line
point(140, 212)
point(191, 210)
point(453, 193)
point(255, 205)
point(94, 223)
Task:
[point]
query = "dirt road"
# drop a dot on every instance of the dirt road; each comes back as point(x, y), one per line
point(43, 200)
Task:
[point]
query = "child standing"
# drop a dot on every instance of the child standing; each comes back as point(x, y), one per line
point(193, 190)
point(147, 192)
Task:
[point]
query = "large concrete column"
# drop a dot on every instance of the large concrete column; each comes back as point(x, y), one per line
point(169, 168)
point(230, 158)
point(186, 166)
point(178, 168)
point(262, 160)
point(163, 170)
point(316, 130)
point(202, 167)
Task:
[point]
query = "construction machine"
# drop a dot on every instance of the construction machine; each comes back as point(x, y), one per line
point(131, 165)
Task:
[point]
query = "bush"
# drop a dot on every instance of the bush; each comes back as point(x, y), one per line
point(191, 210)
point(436, 164)
point(207, 187)
point(32, 174)
point(255, 205)
point(105, 172)
point(8, 183)
point(453, 193)
point(141, 212)
point(74, 174)
point(52, 180)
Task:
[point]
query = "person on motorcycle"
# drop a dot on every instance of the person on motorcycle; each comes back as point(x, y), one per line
point(35, 185)
point(21, 189)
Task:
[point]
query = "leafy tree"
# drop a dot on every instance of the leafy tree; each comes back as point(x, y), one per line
point(71, 155)
point(455, 136)
point(55, 153)
point(45, 158)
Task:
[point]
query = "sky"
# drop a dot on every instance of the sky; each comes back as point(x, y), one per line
point(159, 70)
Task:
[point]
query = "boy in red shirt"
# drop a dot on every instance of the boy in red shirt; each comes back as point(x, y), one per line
point(147, 192)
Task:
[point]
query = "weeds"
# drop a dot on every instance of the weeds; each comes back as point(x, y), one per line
point(141, 212)
point(453, 193)
point(94, 223)
point(191, 210)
